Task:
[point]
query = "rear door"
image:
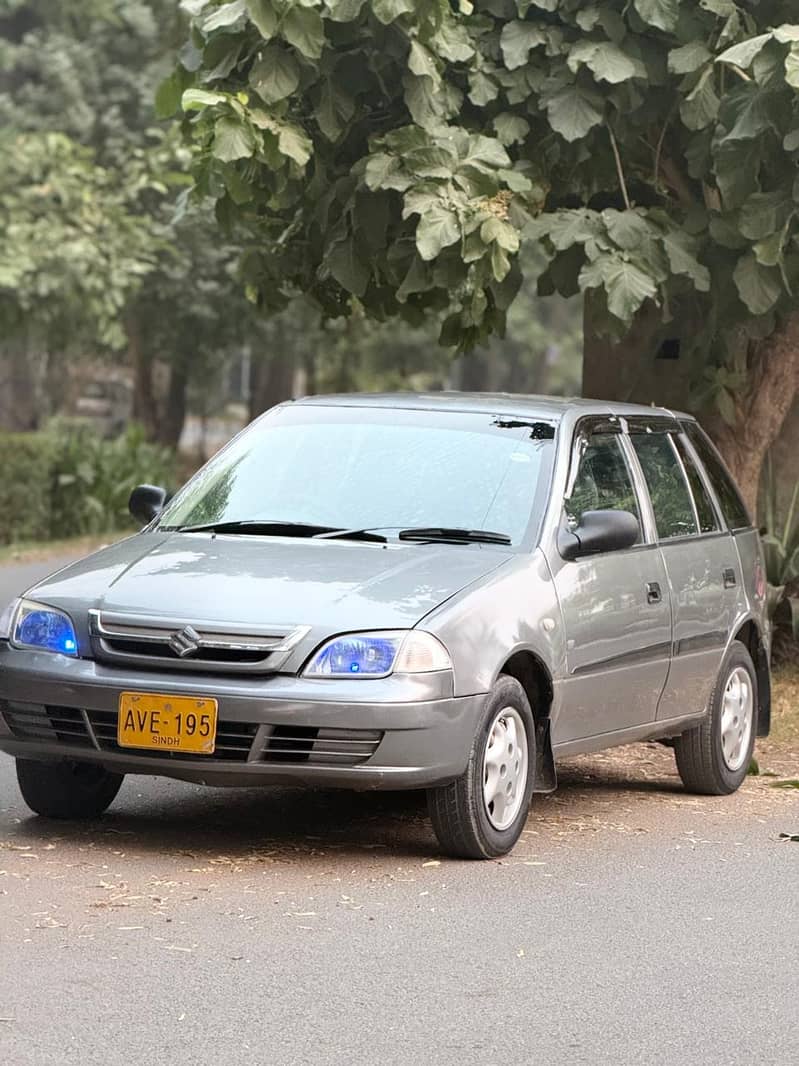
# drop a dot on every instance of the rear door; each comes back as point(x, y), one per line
point(700, 559)
point(615, 605)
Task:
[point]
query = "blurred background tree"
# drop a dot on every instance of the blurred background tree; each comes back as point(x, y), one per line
point(109, 273)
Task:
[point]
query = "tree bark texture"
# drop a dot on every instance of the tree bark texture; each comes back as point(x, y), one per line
point(762, 411)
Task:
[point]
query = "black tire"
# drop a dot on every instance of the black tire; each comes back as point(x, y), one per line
point(699, 752)
point(67, 790)
point(458, 810)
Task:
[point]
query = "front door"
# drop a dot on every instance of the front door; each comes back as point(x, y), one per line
point(615, 607)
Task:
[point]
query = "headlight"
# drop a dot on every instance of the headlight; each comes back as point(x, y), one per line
point(378, 655)
point(5, 619)
point(38, 626)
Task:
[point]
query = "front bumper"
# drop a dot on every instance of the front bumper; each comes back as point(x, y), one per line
point(391, 733)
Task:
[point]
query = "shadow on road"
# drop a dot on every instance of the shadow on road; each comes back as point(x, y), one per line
point(239, 823)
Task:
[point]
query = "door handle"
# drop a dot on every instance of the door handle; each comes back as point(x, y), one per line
point(729, 577)
point(653, 593)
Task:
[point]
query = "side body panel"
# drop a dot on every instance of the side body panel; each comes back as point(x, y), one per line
point(513, 609)
point(704, 612)
point(617, 642)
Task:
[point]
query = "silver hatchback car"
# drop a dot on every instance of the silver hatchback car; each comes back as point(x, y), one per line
point(447, 592)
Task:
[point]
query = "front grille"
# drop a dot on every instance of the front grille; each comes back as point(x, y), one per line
point(289, 744)
point(34, 721)
point(233, 740)
point(180, 644)
point(331, 747)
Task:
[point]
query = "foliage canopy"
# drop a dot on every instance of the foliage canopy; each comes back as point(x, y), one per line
point(395, 152)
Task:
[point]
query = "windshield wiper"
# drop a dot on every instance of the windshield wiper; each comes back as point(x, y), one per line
point(254, 526)
point(455, 535)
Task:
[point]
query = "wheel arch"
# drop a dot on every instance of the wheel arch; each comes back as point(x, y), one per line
point(532, 674)
point(750, 636)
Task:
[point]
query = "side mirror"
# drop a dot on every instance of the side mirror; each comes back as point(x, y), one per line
point(146, 503)
point(599, 531)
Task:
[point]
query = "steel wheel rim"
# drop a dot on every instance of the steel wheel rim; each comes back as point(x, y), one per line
point(737, 713)
point(505, 768)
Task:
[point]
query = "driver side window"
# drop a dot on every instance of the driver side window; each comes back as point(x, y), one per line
point(603, 481)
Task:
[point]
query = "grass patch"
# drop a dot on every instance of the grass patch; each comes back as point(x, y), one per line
point(34, 551)
point(785, 706)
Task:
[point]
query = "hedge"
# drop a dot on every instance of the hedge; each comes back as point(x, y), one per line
point(67, 480)
point(26, 486)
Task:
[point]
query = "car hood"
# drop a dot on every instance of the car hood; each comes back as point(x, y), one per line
point(332, 586)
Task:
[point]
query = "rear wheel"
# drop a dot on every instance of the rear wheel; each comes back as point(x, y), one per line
point(481, 814)
point(68, 790)
point(713, 758)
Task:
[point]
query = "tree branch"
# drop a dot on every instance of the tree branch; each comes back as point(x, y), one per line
point(619, 169)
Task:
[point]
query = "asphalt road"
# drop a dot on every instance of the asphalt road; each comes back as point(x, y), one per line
point(633, 924)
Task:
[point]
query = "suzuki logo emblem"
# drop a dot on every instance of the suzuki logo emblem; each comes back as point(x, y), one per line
point(185, 643)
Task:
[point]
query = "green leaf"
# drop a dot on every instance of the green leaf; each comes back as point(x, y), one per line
point(233, 140)
point(516, 41)
point(764, 213)
point(170, 93)
point(626, 285)
point(344, 10)
point(688, 58)
point(768, 252)
point(263, 14)
point(662, 14)
point(452, 42)
point(438, 228)
point(387, 11)
point(751, 111)
point(422, 62)
point(500, 263)
point(573, 111)
point(681, 251)
point(197, 99)
point(511, 129)
point(348, 268)
point(759, 287)
point(605, 60)
point(741, 55)
point(225, 15)
point(294, 143)
point(275, 75)
point(792, 69)
point(701, 106)
point(494, 230)
point(482, 89)
point(302, 27)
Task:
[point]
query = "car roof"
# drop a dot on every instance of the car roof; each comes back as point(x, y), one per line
point(548, 408)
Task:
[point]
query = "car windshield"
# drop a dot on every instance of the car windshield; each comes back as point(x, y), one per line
point(358, 468)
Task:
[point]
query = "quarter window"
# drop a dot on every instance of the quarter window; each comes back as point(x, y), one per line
point(603, 481)
point(668, 489)
point(704, 506)
point(732, 506)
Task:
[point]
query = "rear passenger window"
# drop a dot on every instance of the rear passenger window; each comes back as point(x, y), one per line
point(668, 490)
point(732, 506)
point(603, 481)
point(704, 506)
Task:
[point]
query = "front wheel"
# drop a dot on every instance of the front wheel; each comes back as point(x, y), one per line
point(68, 790)
point(713, 758)
point(481, 814)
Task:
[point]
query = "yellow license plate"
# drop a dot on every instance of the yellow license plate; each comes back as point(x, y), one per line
point(167, 723)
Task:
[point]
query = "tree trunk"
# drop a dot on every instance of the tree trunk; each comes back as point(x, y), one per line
point(145, 409)
point(271, 380)
point(170, 426)
point(19, 409)
point(763, 410)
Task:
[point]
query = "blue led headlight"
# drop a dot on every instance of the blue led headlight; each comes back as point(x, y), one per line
point(378, 655)
point(44, 628)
